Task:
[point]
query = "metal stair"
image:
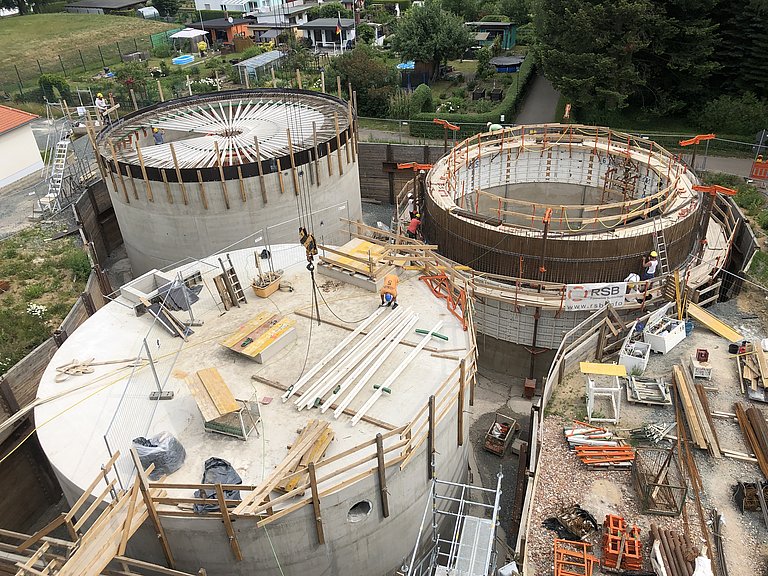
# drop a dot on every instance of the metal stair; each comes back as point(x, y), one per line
point(50, 201)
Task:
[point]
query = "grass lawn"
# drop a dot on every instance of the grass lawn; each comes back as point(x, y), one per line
point(45, 37)
point(47, 274)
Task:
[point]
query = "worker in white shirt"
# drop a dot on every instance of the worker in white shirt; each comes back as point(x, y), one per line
point(649, 266)
point(411, 205)
point(101, 105)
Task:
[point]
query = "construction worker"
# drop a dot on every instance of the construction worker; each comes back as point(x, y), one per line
point(157, 135)
point(388, 292)
point(101, 104)
point(413, 227)
point(411, 205)
point(649, 266)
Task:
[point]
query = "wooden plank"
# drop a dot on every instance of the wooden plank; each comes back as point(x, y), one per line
point(237, 337)
point(234, 544)
point(152, 512)
point(713, 323)
point(316, 504)
point(761, 362)
point(603, 369)
point(382, 473)
point(202, 398)
point(218, 390)
point(690, 413)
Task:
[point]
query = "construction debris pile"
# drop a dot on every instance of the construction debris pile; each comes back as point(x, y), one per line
point(755, 430)
point(696, 410)
point(753, 370)
point(597, 448)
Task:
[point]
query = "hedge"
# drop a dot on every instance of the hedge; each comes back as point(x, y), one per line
point(51, 7)
point(471, 124)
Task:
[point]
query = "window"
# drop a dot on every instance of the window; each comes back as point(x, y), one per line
point(207, 7)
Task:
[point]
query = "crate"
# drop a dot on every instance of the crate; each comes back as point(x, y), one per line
point(268, 290)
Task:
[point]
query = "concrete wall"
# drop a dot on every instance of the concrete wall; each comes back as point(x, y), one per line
point(158, 233)
point(379, 177)
point(19, 153)
point(374, 546)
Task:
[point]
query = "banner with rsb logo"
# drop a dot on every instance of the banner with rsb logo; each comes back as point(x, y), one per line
point(594, 296)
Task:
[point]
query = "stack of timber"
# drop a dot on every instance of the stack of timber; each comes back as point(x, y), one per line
point(672, 551)
point(308, 439)
point(698, 416)
point(299, 472)
point(753, 371)
point(755, 430)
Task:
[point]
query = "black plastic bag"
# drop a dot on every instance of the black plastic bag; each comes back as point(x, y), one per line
point(162, 450)
point(217, 471)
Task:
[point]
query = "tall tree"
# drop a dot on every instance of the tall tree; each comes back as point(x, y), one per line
point(329, 10)
point(371, 76)
point(430, 34)
point(678, 61)
point(586, 49)
point(166, 7)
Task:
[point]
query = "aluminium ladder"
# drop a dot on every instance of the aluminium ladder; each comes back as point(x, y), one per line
point(660, 245)
point(51, 200)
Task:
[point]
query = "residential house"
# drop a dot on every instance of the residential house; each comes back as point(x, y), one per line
point(322, 32)
point(267, 24)
point(221, 30)
point(486, 33)
point(18, 147)
point(102, 6)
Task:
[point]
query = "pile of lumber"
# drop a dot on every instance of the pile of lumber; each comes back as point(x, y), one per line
point(621, 544)
point(573, 558)
point(673, 551)
point(755, 430)
point(313, 454)
point(307, 440)
point(753, 371)
point(606, 456)
point(696, 411)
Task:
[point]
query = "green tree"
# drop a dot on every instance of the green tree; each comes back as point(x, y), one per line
point(430, 34)
point(469, 10)
point(587, 49)
point(167, 7)
point(484, 67)
point(518, 11)
point(743, 114)
point(374, 80)
point(365, 33)
point(329, 10)
point(421, 100)
point(678, 62)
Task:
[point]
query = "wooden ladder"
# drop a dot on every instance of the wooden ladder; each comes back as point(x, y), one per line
point(232, 282)
point(660, 244)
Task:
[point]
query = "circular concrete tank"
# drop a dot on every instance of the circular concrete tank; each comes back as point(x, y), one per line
point(229, 165)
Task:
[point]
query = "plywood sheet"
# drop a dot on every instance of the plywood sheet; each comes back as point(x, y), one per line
point(359, 249)
point(218, 390)
point(258, 334)
point(243, 331)
point(713, 323)
point(604, 369)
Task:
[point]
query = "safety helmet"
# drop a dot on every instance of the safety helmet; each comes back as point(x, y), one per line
point(154, 129)
point(99, 95)
point(388, 297)
point(418, 215)
point(653, 254)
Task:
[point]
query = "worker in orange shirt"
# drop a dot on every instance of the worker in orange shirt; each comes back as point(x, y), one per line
point(388, 292)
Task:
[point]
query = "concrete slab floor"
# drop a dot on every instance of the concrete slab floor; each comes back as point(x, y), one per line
point(73, 427)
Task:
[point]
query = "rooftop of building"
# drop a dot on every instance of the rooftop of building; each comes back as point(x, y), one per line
point(11, 118)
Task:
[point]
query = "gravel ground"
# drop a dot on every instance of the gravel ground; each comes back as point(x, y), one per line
point(563, 480)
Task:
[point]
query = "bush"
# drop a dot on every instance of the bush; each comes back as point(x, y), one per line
point(400, 104)
point(421, 100)
point(748, 197)
point(162, 51)
point(484, 67)
point(48, 82)
point(33, 291)
point(77, 262)
point(494, 18)
point(745, 114)
point(50, 7)
point(254, 50)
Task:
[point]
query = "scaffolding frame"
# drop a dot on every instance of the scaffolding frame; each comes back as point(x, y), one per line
point(470, 547)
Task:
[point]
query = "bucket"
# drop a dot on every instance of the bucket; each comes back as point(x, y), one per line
point(733, 348)
point(688, 327)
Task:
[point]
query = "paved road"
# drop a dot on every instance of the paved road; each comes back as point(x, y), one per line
point(540, 103)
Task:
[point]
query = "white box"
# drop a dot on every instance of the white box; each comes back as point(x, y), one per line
point(700, 369)
point(634, 357)
point(664, 334)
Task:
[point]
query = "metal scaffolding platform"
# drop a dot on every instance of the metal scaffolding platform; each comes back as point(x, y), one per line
point(469, 549)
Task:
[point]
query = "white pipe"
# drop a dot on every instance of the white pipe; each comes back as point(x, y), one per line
point(328, 357)
point(399, 370)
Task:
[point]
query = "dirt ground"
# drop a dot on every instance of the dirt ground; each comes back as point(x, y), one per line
point(564, 480)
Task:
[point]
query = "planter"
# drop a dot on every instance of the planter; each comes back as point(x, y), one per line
point(478, 94)
point(264, 290)
point(496, 95)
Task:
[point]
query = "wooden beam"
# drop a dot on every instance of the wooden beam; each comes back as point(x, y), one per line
point(178, 173)
point(294, 175)
point(338, 142)
point(316, 152)
point(150, 196)
point(431, 438)
point(203, 197)
point(168, 192)
point(460, 426)
point(152, 511)
point(261, 169)
point(221, 174)
point(316, 503)
point(382, 472)
point(119, 171)
point(233, 543)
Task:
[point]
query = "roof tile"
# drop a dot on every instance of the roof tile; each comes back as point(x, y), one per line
point(11, 118)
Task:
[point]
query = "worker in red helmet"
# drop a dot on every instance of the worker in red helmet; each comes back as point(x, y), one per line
point(650, 265)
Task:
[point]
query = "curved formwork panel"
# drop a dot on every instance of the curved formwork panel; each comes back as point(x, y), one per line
point(223, 166)
point(583, 203)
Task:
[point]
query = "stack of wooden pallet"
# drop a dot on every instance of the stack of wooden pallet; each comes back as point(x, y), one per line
point(606, 456)
point(693, 398)
point(674, 551)
point(313, 454)
point(755, 430)
point(753, 371)
point(308, 441)
point(573, 558)
point(621, 545)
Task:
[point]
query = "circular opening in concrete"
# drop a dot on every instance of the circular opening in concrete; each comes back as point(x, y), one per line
point(359, 511)
point(230, 132)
